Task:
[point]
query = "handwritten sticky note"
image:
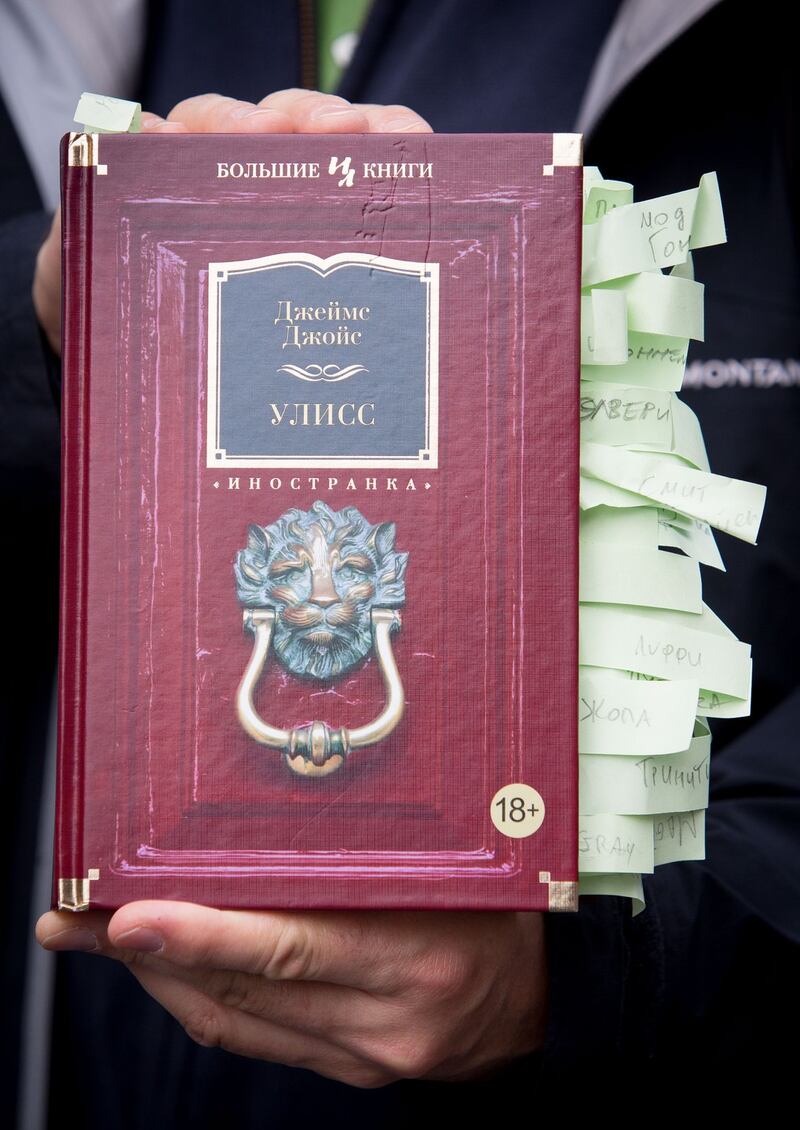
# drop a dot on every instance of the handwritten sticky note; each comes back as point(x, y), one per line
point(621, 415)
point(99, 113)
point(595, 492)
point(676, 782)
point(685, 439)
point(603, 196)
point(727, 504)
point(611, 842)
point(654, 361)
point(619, 717)
point(710, 704)
point(660, 643)
point(679, 835)
point(653, 233)
point(615, 574)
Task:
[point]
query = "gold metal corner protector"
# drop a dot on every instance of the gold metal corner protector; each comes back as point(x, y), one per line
point(562, 894)
point(567, 152)
point(83, 152)
point(74, 894)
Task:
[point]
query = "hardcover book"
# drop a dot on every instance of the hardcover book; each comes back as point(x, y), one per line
point(320, 505)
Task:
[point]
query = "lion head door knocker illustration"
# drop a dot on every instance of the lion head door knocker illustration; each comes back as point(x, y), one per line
point(322, 588)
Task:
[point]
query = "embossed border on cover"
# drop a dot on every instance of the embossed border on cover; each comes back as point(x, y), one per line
point(428, 274)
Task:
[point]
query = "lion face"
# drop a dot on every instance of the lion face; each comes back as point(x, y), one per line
point(322, 571)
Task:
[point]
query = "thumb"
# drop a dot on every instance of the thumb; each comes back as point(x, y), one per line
point(47, 285)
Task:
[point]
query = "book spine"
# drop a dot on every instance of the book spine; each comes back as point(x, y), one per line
point(70, 882)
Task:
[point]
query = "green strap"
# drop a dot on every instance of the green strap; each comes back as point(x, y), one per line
point(334, 19)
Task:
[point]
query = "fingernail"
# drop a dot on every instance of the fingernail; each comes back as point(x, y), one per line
point(325, 113)
point(261, 118)
point(141, 938)
point(76, 938)
point(262, 110)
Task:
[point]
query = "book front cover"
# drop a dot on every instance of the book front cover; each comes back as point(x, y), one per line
point(319, 586)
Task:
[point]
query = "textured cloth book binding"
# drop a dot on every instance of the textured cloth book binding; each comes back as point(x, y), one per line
point(319, 609)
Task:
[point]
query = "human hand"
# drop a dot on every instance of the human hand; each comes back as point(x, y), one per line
point(284, 111)
point(364, 997)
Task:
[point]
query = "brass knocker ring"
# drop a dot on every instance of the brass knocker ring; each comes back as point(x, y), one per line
point(314, 750)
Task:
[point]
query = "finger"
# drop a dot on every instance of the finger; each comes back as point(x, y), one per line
point(300, 104)
point(291, 97)
point(165, 127)
point(212, 1024)
point(314, 112)
point(352, 1020)
point(46, 288)
point(149, 120)
point(153, 123)
point(215, 113)
point(392, 119)
point(347, 1017)
point(365, 950)
point(65, 930)
point(50, 251)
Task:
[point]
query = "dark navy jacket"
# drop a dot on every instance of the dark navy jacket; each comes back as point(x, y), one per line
point(704, 978)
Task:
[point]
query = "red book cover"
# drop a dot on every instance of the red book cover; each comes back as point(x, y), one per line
point(320, 521)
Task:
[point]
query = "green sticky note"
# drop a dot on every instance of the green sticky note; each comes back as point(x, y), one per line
point(691, 536)
point(711, 704)
point(603, 196)
point(684, 270)
point(621, 415)
point(595, 492)
point(654, 361)
point(624, 574)
point(604, 328)
point(687, 436)
point(591, 174)
point(679, 836)
point(637, 526)
point(623, 886)
point(653, 233)
point(731, 505)
point(621, 717)
point(685, 440)
point(713, 623)
point(708, 225)
point(611, 842)
point(661, 643)
point(662, 304)
point(675, 782)
point(99, 113)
